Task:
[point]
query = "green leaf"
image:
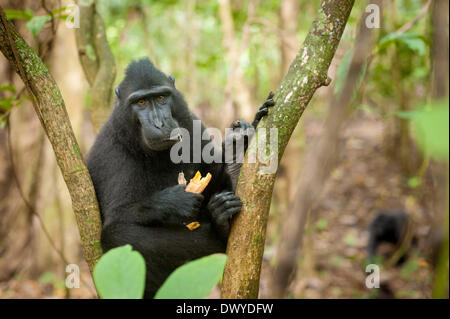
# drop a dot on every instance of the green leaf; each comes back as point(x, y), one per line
point(59, 10)
point(193, 280)
point(408, 269)
point(432, 129)
point(365, 107)
point(322, 224)
point(35, 25)
point(414, 182)
point(47, 277)
point(63, 17)
point(60, 13)
point(9, 88)
point(350, 240)
point(90, 52)
point(120, 273)
point(412, 41)
point(3, 122)
point(18, 14)
point(417, 45)
point(7, 103)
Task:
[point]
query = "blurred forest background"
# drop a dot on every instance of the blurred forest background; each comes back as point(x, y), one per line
point(226, 56)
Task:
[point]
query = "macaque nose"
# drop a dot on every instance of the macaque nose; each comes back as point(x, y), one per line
point(158, 123)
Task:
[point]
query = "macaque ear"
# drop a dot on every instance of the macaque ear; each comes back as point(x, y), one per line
point(117, 91)
point(172, 79)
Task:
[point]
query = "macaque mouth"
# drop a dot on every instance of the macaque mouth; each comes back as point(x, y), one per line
point(175, 138)
point(175, 135)
point(164, 142)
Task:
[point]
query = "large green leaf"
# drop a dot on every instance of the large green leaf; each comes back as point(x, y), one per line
point(120, 273)
point(36, 23)
point(413, 41)
point(193, 280)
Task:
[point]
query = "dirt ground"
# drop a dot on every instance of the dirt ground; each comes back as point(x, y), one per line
point(364, 181)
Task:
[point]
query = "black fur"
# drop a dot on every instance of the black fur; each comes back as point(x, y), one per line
point(140, 200)
point(388, 227)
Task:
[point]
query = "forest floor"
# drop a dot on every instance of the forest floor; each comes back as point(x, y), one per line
point(364, 181)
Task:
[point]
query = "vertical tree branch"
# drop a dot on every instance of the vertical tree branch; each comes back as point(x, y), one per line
point(97, 61)
point(236, 90)
point(307, 73)
point(317, 166)
point(439, 171)
point(288, 26)
point(52, 113)
point(440, 49)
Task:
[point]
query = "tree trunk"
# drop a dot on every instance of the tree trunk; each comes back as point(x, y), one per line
point(317, 166)
point(307, 73)
point(51, 111)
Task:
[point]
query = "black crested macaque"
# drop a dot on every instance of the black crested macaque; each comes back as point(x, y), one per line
point(393, 227)
point(135, 179)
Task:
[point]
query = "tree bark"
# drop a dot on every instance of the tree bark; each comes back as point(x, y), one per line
point(52, 113)
point(439, 52)
point(97, 61)
point(307, 73)
point(317, 166)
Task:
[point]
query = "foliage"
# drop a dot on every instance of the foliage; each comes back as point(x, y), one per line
point(7, 103)
point(131, 38)
point(432, 129)
point(322, 224)
point(120, 273)
point(412, 41)
point(195, 279)
point(35, 23)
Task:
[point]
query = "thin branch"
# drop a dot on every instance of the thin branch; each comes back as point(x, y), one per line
point(423, 11)
point(97, 61)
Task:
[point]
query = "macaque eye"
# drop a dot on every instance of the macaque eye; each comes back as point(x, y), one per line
point(141, 102)
point(160, 98)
